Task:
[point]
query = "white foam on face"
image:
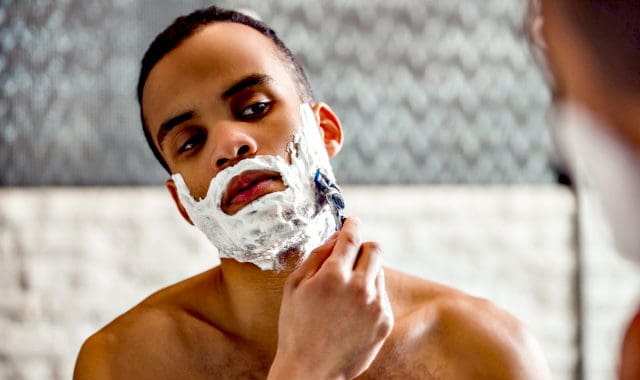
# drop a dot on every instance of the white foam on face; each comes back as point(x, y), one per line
point(295, 220)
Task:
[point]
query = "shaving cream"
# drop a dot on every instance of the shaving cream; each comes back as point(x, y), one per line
point(295, 220)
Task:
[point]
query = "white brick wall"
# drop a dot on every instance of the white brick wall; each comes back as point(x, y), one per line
point(73, 259)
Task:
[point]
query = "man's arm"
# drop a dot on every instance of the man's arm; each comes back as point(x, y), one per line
point(335, 313)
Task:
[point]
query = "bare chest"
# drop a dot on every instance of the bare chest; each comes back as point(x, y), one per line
point(403, 357)
point(412, 352)
point(199, 353)
point(408, 369)
point(226, 359)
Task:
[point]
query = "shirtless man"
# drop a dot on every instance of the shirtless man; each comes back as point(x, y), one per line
point(591, 50)
point(218, 89)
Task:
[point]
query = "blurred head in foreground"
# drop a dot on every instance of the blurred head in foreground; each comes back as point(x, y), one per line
point(590, 51)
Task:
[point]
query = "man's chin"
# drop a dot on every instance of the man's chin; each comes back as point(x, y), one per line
point(289, 260)
point(286, 261)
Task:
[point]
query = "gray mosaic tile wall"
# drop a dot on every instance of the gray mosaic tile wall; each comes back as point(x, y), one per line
point(428, 91)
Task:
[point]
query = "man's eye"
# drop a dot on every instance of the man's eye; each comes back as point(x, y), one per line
point(192, 142)
point(255, 110)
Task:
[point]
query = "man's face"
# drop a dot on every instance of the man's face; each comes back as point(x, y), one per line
point(223, 95)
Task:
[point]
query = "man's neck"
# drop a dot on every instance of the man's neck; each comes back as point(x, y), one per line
point(253, 299)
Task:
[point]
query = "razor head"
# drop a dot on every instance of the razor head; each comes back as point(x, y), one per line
point(332, 194)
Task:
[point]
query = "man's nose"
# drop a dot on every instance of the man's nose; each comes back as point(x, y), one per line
point(234, 143)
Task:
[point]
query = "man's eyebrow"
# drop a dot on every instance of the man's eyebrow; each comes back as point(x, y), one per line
point(171, 123)
point(246, 82)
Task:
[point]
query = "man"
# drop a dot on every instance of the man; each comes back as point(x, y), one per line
point(229, 113)
point(591, 50)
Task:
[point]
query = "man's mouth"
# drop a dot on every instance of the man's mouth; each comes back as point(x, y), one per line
point(249, 186)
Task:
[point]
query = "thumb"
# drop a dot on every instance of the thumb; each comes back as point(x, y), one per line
point(316, 258)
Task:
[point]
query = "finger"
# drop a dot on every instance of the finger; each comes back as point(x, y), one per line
point(380, 282)
point(347, 246)
point(333, 236)
point(369, 262)
point(381, 287)
point(318, 256)
point(384, 298)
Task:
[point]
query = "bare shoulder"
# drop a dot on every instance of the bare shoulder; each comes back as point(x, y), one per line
point(147, 342)
point(463, 336)
point(143, 328)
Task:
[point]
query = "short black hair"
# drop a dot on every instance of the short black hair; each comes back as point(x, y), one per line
point(186, 26)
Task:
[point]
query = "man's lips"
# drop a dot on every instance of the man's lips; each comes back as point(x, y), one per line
point(249, 186)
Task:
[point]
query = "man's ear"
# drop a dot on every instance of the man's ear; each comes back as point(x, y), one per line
point(330, 128)
point(173, 190)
